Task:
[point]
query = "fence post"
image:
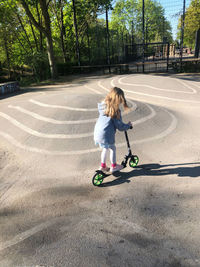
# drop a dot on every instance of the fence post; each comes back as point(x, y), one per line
point(107, 40)
point(167, 56)
point(197, 44)
point(182, 34)
point(143, 8)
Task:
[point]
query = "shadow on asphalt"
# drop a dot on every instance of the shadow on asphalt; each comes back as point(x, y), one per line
point(185, 76)
point(56, 85)
point(81, 79)
point(181, 170)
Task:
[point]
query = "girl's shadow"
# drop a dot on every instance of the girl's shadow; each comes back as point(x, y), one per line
point(181, 170)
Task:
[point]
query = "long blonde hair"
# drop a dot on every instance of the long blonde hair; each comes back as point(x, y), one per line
point(113, 101)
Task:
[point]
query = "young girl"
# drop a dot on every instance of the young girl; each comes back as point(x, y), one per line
point(108, 122)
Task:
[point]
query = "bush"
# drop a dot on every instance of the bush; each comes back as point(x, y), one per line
point(191, 66)
point(64, 68)
point(187, 66)
point(39, 63)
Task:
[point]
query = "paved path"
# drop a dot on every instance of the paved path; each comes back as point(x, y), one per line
point(51, 214)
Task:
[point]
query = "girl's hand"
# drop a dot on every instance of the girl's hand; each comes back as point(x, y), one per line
point(130, 124)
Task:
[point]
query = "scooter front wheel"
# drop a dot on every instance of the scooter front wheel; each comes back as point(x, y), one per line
point(133, 162)
point(98, 178)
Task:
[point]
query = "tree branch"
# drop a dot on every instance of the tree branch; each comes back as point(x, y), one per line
point(27, 38)
point(48, 3)
point(30, 15)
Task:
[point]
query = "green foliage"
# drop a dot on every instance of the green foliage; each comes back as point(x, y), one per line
point(23, 42)
point(127, 17)
point(187, 66)
point(192, 23)
point(38, 61)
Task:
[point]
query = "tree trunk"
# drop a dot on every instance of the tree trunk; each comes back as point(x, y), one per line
point(197, 44)
point(41, 33)
point(88, 41)
point(107, 38)
point(50, 51)
point(76, 32)
point(27, 38)
point(46, 30)
point(34, 36)
point(62, 32)
point(7, 55)
point(98, 58)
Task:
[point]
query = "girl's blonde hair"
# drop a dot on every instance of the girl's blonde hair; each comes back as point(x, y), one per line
point(113, 100)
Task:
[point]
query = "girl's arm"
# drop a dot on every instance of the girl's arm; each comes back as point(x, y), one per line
point(120, 125)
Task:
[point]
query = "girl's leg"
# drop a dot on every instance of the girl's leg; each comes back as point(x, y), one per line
point(113, 155)
point(114, 166)
point(103, 157)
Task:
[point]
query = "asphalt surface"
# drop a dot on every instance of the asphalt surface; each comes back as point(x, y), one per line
point(52, 215)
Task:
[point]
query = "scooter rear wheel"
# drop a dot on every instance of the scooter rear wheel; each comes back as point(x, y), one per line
point(133, 162)
point(98, 179)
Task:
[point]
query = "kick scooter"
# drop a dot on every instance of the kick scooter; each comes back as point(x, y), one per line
point(133, 162)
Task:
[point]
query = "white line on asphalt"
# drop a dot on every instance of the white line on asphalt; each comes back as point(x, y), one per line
point(161, 97)
point(106, 89)
point(186, 85)
point(43, 135)
point(22, 236)
point(57, 136)
point(42, 118)
point(148, 117)
point(163, 134)
point(134, 106)
point(78, 222)
point(61, 107)
point(112, 83)
point(44, 151)
point(156, 88)
point(197, 85)
point(92, 89)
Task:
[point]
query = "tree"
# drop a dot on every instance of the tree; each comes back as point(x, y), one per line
point(46, 30)
point(58, 7)
point(192, 23)
point(5, 37)
point(127, 16)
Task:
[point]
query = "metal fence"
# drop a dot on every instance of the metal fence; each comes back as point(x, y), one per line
point(147, 57)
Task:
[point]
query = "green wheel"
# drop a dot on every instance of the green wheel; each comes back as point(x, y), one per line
point(97, 179)
point(133, 162)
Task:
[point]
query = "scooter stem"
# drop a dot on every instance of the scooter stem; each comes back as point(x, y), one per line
point(127, 141)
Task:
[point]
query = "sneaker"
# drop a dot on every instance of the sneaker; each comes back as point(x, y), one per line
point(106, 169)
point(118, 167)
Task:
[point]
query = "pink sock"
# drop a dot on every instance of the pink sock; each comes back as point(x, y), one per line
point(103, 165)
point(113, 165)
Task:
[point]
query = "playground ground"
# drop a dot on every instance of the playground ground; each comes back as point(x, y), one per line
point(52, 215)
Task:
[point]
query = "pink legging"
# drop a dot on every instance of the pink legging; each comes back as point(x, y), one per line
point(104, 153)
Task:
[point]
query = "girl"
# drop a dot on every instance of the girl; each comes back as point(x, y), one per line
point(105, 128)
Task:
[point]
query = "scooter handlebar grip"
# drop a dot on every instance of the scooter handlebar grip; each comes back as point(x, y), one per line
point(131, 127)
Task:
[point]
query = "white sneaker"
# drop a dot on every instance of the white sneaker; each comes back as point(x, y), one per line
point(106, 169)
point(118, 167)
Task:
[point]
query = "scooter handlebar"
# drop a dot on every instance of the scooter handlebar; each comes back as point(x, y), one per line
point(131, 127)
